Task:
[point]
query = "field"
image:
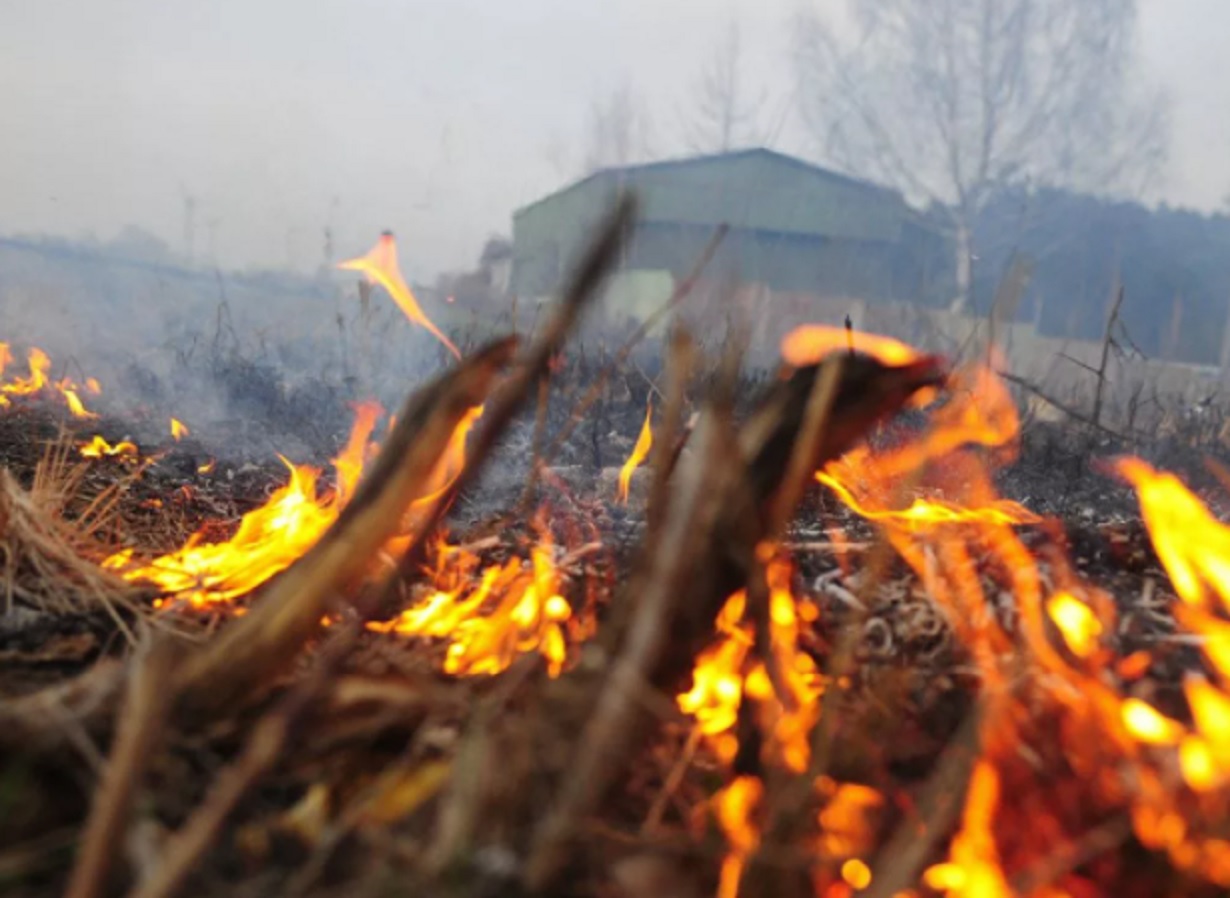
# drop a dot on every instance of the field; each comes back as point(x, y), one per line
point(570, 623)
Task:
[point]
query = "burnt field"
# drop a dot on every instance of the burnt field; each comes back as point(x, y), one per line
point(437, 649)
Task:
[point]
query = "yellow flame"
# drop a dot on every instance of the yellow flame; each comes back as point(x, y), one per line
point(99, 447)
point(510, 612)
point(808, 344)
point(735, 808)
point(269, 538)
point(644, 442)
point(724, 674)
point(1148, 725)
point(38, 381)
point(856, 873)
point(1080, 627)
point(178, 430)
point(1192, 545)
point(380, 265)
point(972, 869)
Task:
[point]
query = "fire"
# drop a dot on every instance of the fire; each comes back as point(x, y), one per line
point(511, 610)
point(99, 447)
point(787, 696)
point(38, 381)
point(380, 265)
point(1077, 622)
point(268, 540)
point(809, 343)
point(351, 460)
point(973, 868)
point(179, 430)
point(644, 442)
point(735, 808)
point(1192, 545)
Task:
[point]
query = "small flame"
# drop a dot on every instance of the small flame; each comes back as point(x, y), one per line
point(269, 538)
point(38, 381)
point(972, 869)
point(786, 695)
point(1080, 627)
point(511, 611)
point(1192, 545)
point(644, 442)
point(380, 265)
point(350, 461)
point(178, 430)
point(735, 807)
point(207, 467)
point(1148, 725)
point(99, 447)
point(810, 343)
point(856, 873)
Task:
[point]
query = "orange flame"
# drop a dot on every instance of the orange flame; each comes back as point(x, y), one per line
point(269, 538)
point(98, 448)
point(37, 381)
point(179, 430)
point(267, 541)
point(786, 695)
point(644, 442)
point(735, 808)
point(1192, 545)
point(380, 265)
point(1077, 622)
point(972, 868)
point(350, 461)
point(511, 611)
point(808, 344)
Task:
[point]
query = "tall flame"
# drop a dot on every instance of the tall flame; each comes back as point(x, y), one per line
point(644, 442)
point(380, 265)
point(179, 430)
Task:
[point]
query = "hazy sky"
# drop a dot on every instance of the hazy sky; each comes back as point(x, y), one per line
point(433, 117)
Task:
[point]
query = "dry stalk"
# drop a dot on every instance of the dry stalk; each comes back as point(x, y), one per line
point(140, 725)
point(705, 550)
point(617, 724)
point(592, 271)
point(681, 360)
point(262, 643)
point(681, 292)
point(938, 806)
point(43, 559)
point(1107, 339)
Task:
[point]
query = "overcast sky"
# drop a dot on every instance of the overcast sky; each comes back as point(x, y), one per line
point(432, 117)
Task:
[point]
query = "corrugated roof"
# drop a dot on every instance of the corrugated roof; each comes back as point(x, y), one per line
point(756, 189)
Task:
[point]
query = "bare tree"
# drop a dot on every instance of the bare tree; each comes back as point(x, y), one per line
point(619, 130)
point(719, 117)
point(949, 100)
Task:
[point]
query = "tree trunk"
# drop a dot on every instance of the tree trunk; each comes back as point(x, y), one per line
point(964, 268)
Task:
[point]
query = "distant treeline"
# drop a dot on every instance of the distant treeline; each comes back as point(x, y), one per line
point(1173, 264)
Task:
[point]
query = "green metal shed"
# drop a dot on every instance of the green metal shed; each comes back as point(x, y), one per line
point(794, 227)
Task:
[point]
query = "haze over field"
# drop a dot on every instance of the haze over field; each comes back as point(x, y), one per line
point(278, 119)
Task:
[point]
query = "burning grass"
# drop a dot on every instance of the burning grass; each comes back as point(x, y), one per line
point(905, 684)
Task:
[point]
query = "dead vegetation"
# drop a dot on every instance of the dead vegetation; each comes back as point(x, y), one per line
point(899, 720)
